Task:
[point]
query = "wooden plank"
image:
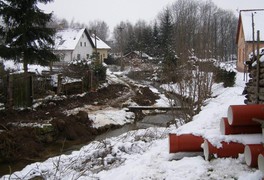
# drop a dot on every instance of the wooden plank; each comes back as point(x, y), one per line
point(153, 108)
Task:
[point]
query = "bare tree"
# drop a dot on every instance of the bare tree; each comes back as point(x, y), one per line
point(101, 28)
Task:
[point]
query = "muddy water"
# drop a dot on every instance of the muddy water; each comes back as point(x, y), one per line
point(159, 120)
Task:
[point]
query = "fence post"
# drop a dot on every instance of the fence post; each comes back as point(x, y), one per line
point(10, 83)
point(30, 89)
point(59, 85)
point(82, 86)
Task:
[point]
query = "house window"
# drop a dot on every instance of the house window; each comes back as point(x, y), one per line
point(87, 56)
point(84, 44)
point(61, 42)
point(78, 57)
point(80, 43)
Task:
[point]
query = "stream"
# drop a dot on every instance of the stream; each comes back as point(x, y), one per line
point(157, 120)
point(162, 119)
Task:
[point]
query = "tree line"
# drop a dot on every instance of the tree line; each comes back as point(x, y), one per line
point(182, 27)
point(179, 28)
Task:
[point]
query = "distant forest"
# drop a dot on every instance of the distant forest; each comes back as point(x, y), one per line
point(184, 28)
point(181, 28)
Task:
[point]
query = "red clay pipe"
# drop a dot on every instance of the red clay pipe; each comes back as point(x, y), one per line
point(227, 129)
point(242, 115)
point(185, 143)
point(230, 149)
point(261, 162)
point(251, 153)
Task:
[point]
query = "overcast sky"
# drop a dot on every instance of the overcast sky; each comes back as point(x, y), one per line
point(115, 11)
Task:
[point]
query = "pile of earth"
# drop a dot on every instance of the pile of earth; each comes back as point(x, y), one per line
point(19, 143)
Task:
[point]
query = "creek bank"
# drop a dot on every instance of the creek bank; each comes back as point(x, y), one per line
point(21, 144)
point(31, 144)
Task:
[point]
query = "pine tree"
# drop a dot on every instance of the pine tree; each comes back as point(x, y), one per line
point(26, 38)
point(156, 41)
point(147, 39)
point(166, 33)
point(166, 45)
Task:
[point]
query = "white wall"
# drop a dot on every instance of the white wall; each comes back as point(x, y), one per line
point(82, 49)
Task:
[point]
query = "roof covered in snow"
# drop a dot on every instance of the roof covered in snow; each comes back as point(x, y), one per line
point(100, 44)
point(245, 19)
point(67, 39)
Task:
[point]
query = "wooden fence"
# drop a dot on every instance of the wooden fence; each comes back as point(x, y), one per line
point(19, 91)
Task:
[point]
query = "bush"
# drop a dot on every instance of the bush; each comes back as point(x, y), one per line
point(100, 72)
point(227, 77)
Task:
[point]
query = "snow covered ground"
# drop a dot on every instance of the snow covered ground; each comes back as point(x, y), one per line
point(143, 154)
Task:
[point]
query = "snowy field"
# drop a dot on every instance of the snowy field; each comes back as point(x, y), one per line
point(144, 154)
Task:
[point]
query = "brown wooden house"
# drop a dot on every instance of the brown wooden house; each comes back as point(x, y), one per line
point(244, 37)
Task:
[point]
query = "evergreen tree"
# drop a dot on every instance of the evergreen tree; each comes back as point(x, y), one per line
point(156, 41)
point(166, 30)
point(166, 44)
point(25, 35)
point(147, 39)
point(131, 43)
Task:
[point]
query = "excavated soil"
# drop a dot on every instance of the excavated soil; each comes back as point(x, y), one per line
point(22, 145)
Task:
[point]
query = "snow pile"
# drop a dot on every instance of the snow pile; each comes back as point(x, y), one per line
point(163, 101)
point(106, 116)
point(111, 116)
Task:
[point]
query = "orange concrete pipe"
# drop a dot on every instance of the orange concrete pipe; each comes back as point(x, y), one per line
point(251, 153)
point(241, 115)
point(185, 143)
point(230, 149)
point(226, 128)
point(261, 162)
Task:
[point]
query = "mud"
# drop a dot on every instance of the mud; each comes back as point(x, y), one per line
point(23, 145)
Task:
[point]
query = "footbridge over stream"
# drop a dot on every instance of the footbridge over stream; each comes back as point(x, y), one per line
point(138, 109)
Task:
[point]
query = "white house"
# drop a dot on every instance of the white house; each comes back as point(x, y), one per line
point(78, 44)
point(73, 44)
point(101, 47)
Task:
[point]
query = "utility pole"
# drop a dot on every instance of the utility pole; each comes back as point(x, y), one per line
point(95, 43)
point(258, 67)
point(121, 47)
point(253, 36)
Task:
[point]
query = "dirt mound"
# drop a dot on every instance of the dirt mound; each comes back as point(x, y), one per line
point(145, 97)
point(75, 127)
point(20, 143)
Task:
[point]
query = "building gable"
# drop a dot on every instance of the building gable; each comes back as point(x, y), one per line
point(67, 39)
point(73, 44)
point(246, 18)
point(100, 44)
point(244, 36)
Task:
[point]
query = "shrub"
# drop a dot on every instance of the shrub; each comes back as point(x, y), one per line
point(227, 77)
point(100, 72)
